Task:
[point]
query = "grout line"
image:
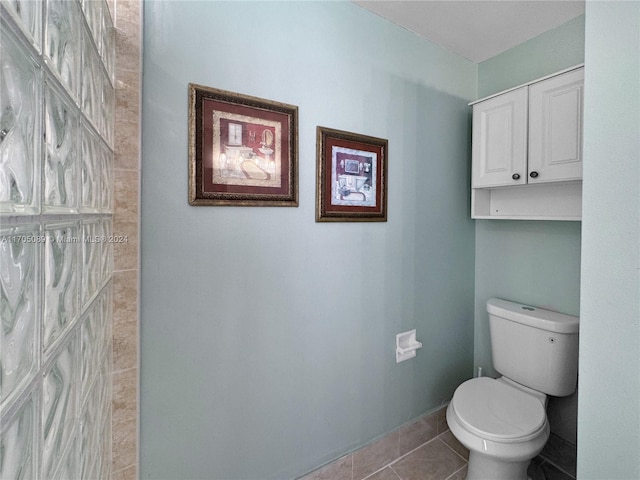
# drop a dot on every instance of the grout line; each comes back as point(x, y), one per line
point(390, 464)
point(374, 473)
point(124, 370)
point(395, 473)
point(398, 459)
point(558, 467)
point(456, 472)
point(351, 455)
point(124, 468)
point(451, 448)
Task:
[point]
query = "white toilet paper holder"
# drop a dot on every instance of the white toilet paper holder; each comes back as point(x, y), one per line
point(406, 346)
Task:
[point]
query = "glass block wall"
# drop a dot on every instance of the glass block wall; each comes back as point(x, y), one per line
point(57, 103)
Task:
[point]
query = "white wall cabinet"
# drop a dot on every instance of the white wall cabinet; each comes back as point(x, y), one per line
point(499, 148)
point(555, 128)
point(527, 150)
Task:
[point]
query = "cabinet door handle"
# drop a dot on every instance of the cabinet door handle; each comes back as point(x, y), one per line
point(533, 174)
point(515, 176)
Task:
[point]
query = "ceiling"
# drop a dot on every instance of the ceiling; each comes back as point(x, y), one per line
point(476, 29)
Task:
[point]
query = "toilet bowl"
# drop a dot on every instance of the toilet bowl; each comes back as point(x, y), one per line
point(502, 425)
point(503, 422)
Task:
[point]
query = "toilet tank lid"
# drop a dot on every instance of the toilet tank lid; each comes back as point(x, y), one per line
point(533, 316)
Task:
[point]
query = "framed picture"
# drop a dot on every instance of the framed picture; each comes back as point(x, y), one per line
point(351, 182)
point(243, 150)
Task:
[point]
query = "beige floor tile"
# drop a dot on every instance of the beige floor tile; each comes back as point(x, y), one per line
point(125, 474)
point(459, 475)
point(375, 456)
point(453, 443)
point(386, 474)
point(339, 470)
point(417, 433)
point(433, 461)
point(561, 453)
point(442, 419)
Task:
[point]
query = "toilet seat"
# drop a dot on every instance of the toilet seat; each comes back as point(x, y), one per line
point(494, 410)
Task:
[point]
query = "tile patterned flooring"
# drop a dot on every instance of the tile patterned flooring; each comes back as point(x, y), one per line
point(427, 450)
point(557, 461)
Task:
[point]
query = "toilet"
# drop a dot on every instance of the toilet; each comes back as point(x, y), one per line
point(503, 421)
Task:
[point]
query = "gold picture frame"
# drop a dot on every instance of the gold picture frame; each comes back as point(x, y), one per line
point(243, 150)
point(351, 177)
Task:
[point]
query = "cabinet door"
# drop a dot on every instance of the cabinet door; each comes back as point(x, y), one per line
point(555, 128)
point(499, 148)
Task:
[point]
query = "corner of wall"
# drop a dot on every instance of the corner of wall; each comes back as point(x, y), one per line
point(126, 275)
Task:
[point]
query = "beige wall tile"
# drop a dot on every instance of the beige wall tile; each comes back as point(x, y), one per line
point(127, 16)
point(124, 444)
point(129, 473)
point(126, 195)
point(125, 414)
point(124, 395)
point(127, 138)
point(125, 320)
point(126, 253)
point(128, 58)
point(125, 219)
point(128, 36)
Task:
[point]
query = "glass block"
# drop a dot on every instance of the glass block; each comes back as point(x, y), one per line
point(63, 42)
point(61, 275)
point(107, 325)
point(27, 14)
point(106, 179)
point(93, 13)
point(91, 81)
point(107, 120)
point(17, 445)
point(89, 171)
point(91, 260)
point(20, 127)
point(90, 350)
point(108, 43)
point(19, 303)
point(106, 370)
point(91, 436)
point(58, 406)
point(110, 6)
point(107, 454)
point(61, 160)
point(107, 249)
point(69, 466)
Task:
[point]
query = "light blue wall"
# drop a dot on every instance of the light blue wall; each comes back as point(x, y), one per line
point(609, 413)
point(267, 339)
point(543, 55)
point(536, 262)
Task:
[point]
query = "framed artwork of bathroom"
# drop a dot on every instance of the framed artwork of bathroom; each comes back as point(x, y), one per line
point(351, 177)
point(243, 150)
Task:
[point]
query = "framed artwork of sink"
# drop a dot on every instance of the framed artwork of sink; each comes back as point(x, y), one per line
point(351, 177)
point(243, 150)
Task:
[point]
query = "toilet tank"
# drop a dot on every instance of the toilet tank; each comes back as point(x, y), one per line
point(534, 347)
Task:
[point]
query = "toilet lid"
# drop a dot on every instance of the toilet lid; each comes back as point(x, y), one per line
point(496, 411)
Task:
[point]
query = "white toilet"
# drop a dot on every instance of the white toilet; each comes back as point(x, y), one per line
point(503, 421)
